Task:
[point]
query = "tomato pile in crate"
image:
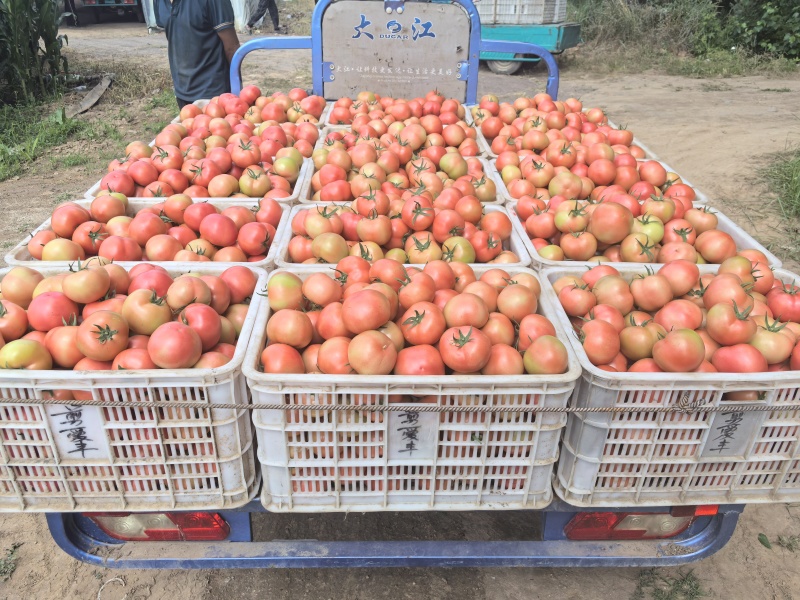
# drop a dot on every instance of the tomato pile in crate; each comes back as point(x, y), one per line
point(445, 337)
point(678, 335)
point(251, 145)
point(178, 229)
point(148, 334)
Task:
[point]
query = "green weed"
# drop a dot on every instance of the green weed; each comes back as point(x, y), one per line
point(654, 586)
point(782, 175)
point(70, 160)
point(8, 563)
point(789, 542)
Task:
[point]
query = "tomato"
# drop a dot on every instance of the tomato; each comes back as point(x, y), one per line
point(280, 358)
point(61, 344)
point(291, 327)
point(577, 300)
point(13, 321)
point(682, 275)
point(133, 359)
point(241, 282)
point(371, 353)
point(332, 358)
point(102, 335)
point(219, 230)
point(50, 310)
point(66, 218)
point(18, 285)
point(773, 344)
point(516, 301)
point(118, 248)
point(364, 310)
point(419, 361)
point(418, 214)
point(205, 321)
point(547, 355)
point(651, 292)
point(739, 358)
point(422, 323)
point(727, 288)
point(175, 346)
point(600, 341)
point(679, 314)
point(783, 301)
point(727, 325)
point(681, 351)
point(503, 360)
point(715, 246)
point(25, 354)
point(466, 309)
point(465, 349)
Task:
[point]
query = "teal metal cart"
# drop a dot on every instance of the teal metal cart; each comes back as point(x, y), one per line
point(556, 38)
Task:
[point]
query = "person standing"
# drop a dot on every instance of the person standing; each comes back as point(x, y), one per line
point(201, 42)
point(263, 6)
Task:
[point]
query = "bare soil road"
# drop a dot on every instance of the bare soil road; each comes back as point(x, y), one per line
point(713, 132)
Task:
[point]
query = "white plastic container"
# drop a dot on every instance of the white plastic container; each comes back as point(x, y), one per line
point(521, 12)
point(80, 458)
point(19, 254)
point(284, 236)
point(743, 241)
point(635, 458)
point(315, 460)
point(306, 171)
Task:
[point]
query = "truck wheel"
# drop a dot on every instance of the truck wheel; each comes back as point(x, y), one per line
point(504, 67)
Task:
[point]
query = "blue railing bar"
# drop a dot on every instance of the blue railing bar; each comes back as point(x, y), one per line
point(265, 43)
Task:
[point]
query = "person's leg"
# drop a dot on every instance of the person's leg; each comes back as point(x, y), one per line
point(273, 13)
point(182, 103)
point(259, 12)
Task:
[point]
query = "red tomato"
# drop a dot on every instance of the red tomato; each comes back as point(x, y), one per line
point(241, 282)
point(175, 346)
point(291, 327)
point(681, 351)
point(419, 361)
point(280, 358)
point(102, 335)
point(465, 349)
point(740, 358)
point(51, 309)
point(365, 310)
point(205, 321)
point(547, 355)
point(372, 353)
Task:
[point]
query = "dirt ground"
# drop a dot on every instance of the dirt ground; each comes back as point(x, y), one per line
point(697, 126)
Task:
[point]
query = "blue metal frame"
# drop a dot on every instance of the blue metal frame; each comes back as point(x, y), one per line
point(704, 538)
point(314, 43)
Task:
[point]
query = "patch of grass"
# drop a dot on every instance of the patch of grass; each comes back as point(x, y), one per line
point(26, 131)
point(789, 542)
point(283, 83)
point(131, 80)
point(70, 160)
point(713, 86)
point(654, 586)
point(604, 59)
point(782, 175)
point(8, 563)
point(165, 99)
point(779, 90)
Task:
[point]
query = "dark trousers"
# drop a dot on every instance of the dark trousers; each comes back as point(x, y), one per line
point(264, 6)
point(182, 103)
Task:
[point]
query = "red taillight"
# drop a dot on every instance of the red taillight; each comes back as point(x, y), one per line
point(129, 1)
point(626, 526)
point(162, 527)
point(90, 2)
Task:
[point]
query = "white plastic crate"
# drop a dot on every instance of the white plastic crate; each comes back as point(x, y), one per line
point(284, 236)
point(19, 254)
point(521, 12)
point(306, 171)
point(80, 458)
point(315, 460)
point(636, 458)
point(743, 241)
